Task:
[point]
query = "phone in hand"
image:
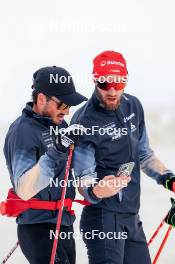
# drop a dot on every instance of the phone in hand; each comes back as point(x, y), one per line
point(125, 169)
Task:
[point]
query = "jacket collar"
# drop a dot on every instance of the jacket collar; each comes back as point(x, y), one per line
point(28, 111)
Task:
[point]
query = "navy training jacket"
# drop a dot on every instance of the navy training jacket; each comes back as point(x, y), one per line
point(100, 154)
point(32, 162)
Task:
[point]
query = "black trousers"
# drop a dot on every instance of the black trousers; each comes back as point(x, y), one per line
point(117, 238)
point(36, 241)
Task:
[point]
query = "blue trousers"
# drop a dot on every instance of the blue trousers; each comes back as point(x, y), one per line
point(113, 238)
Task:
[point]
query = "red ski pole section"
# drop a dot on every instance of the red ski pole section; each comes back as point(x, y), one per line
point(10, 253)
point(57, 231)
point(162, 245)
point(155, 233)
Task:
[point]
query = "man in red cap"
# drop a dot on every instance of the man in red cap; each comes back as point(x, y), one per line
point(111, 155)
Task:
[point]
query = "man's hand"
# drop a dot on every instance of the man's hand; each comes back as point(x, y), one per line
point(110, 186)
point(170, 218)
point(68, 136)
point(169, 182)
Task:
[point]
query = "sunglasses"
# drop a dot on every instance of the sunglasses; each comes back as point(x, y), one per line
point(60, 105)
point(105, 86)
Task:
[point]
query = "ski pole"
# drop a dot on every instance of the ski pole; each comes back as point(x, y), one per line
point(60, 212)
point(162, 245)
point(156, 232)
point(10, 253)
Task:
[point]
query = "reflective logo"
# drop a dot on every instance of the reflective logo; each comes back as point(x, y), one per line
point(48, 140)
point(114, 132)
point(103, 63)
point(133, 127)
point(129, 117)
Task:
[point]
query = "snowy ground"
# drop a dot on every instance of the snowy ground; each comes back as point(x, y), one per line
point(154, 205)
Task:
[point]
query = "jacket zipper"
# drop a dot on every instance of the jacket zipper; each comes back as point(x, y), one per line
point(119, 118)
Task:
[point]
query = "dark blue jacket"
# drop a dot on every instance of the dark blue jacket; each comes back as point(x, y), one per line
point(100, 154)
point(32, 162)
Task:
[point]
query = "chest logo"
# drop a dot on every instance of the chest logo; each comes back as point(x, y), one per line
point(48, 140)
point(133, 127)
point(127, 118)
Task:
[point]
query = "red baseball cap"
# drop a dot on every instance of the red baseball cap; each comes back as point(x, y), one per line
point(109, 63)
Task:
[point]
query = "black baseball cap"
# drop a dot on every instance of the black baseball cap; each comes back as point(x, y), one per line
point(56, 81)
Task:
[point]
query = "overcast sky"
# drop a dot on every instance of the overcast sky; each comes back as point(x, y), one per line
point(70, 33)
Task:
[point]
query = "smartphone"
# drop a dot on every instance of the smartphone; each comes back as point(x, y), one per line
point(125, 169)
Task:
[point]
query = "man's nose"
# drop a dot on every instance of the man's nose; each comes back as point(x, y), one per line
point(112, 91)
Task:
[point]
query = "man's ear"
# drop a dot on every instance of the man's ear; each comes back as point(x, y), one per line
point(41, 99)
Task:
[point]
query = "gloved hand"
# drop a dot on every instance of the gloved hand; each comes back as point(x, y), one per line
point(170, 218)
point(68, 136)
point(169, 182)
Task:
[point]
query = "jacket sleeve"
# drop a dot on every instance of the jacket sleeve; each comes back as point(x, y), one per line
point(150, 164)
point(84, 163)
point(84, 168)
point(29, 174)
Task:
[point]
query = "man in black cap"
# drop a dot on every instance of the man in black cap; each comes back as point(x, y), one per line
point(35, 157)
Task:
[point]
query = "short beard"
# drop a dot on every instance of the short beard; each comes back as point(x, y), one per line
point(107, 107)
point(44, 111)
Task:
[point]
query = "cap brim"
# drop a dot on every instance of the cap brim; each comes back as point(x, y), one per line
point(72, 99)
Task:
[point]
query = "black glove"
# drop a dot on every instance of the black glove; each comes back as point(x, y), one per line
point(68, 136)
point(170, 218)
point(169, 181)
